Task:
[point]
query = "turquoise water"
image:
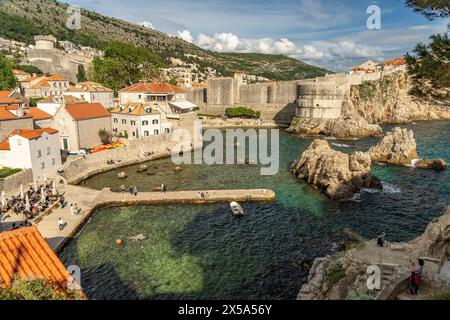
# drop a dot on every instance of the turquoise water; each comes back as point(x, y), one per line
point(201, 252)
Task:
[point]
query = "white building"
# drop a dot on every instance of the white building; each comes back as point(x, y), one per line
point(32, 149)
point(92, 92)
point(135, 120)
point(52, 104)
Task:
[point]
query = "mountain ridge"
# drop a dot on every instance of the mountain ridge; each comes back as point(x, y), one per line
point(22, 19)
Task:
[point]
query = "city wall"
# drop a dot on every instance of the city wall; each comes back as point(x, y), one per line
point(12, 183)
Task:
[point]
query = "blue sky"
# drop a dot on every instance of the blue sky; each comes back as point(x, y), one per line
point(328, 33)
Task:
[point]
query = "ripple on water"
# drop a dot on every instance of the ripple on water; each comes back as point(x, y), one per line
point(201, 252)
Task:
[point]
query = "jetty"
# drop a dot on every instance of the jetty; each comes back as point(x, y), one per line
point(89, 201)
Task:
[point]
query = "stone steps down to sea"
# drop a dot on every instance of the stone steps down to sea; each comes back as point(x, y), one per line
point(337, 174)
point(340, 175)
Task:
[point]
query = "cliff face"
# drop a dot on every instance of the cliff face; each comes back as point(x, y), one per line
point(337, 174)
point(344, 275)
point(374, 102)
point(387, 101)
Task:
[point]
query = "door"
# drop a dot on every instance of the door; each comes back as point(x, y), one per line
point(65, 144)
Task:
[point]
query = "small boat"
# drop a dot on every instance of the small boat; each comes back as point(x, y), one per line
point(236, 209)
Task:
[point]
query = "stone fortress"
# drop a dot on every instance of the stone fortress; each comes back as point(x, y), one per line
point(280, 101)
point(47, 57)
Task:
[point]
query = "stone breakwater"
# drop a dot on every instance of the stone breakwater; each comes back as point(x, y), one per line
point(137, 151)
point(90, 201)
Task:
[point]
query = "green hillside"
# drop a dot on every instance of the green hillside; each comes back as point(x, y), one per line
point(21, 20)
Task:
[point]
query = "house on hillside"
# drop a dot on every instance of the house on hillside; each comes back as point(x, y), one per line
point(12, 98)
point(368, 66)
point(44, 86)
point(136, 120)
point(36, 149)
point(80, 123)
point(92, 92)
point(21, 75)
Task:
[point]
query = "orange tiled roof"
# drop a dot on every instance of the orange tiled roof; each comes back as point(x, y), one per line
point(5, 114)
point(38, 114)
point(27, 134)
point(153, 88)
point(135, 109)
point(84, 111)
point(20, 72)
point(8, 100)
point(62, 99)
point(24, 252)
point(44, 81)
point(6, 94)
point(395, 62)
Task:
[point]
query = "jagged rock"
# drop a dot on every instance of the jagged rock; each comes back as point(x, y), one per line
point(438, 164)
point(122, 175)
point(178, 169)
point(337, 174)
point(397, 147)
point(338, 128)
point(316, 286)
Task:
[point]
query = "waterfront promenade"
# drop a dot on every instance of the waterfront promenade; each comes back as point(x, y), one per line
point(89, 200)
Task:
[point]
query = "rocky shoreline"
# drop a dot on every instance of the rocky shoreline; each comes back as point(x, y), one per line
point(372, 103)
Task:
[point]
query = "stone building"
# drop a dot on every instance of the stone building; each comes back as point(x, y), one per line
point(12, 118)
point(79, 125)
point(44, 86)
point(92, 92)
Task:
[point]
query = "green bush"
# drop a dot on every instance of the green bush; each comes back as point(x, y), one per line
point(6, 172)
point(36, 289)
point(242, 112)
point(335, 272)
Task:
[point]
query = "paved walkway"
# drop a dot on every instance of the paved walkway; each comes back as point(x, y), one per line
point(88, 200)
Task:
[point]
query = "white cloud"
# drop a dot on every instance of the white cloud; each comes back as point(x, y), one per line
point(186, 35)
point(146, 24)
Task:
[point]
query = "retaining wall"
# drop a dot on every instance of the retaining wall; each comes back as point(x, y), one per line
point(12, 183)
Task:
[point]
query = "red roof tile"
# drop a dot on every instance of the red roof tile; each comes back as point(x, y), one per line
point(27, 134)
point(38, 114)
point(24, 252)
point(153, 88)
point(6, 94)
point(84, 111)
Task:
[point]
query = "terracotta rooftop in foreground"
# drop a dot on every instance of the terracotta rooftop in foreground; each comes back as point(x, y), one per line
point(38, 114)
point(84, 111)
point(25, 252)
point(163, 88)
point(27, 134)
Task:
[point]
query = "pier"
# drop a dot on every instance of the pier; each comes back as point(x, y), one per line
point(91, 200)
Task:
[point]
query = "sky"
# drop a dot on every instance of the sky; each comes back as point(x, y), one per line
point(328, 33)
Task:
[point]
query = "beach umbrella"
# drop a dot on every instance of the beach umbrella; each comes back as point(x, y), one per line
point(35, 185)
point(4, 199)
point(54, 191)
point(21, 191)
point(27, 203)
point(42, 195)
point(45, 178)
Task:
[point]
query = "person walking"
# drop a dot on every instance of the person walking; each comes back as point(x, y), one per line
point(72, 209)
point(61, 224)
point(416, 276)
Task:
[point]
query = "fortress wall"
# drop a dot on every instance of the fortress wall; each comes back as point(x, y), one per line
point(196, 96)
point(222, 91)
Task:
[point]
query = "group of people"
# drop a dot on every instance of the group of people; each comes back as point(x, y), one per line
point(32, 202)
point(132, 189)
point(202, 195)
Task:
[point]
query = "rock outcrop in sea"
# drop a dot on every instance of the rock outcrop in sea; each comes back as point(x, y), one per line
point(343, 275)
point(397, 147)
point(337, 174)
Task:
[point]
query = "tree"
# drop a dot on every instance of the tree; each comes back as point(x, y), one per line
point(430, 8)
point(81, 75)
point(30, 69)
point(123, 64)
point(7, 79)
point(430, 68)
point(105, 136)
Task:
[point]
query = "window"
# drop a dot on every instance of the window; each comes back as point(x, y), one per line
point(146, 133)
point(39, 153)
point(48, 150)
point(133, 123)
point(19, 142)
point(53, 161)
point(145, 123)
point(134, 134)
point(115, 120)
point(124, 121)
point(42, 165)
point(156, 132)
point(167, 130)
point(155, 121)
point(148, 110)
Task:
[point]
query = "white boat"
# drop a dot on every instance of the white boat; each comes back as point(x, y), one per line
point(236, 209)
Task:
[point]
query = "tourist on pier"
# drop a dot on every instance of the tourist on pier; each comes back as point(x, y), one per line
point(380, 240)
point(416, 276)
point(72, 209)
point(62, 202)
point(130, 190)
point(122, 189)
point(163, 188)
point(135, 191)
point(61, 224)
